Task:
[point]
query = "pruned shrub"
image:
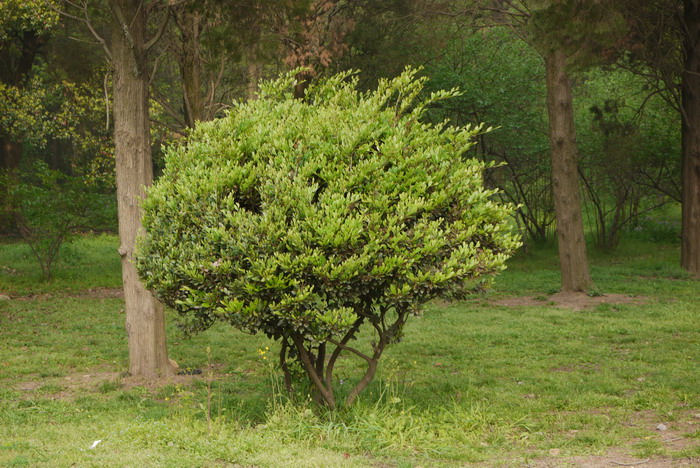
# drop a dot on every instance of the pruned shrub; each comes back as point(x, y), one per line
point(310, 219)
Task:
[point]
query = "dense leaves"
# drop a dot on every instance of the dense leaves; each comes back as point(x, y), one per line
point(305, 219)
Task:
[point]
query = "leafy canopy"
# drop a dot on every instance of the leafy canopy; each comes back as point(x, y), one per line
point(304, 219)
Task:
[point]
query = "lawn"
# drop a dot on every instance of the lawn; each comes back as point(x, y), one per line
point(483, 382)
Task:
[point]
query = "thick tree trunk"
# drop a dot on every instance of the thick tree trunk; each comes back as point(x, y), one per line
point(189, 23)
point(565, 179)
point(145, 323)
point(690, 234)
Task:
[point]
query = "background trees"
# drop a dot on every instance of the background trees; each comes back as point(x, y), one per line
point(600, 96)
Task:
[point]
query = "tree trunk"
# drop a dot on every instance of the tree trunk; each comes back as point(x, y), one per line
point(17, 76)
point(690, 234)
point(189, 23)
point(254, 71)
point(10, 153)
point(565, 179)
point(145, 322)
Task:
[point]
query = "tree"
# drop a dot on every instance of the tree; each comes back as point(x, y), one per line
point(309, 219)
point(507, 93)
point(564, 32)
point(690, 85)
point(573, 263)
point(24, 29)
point(128, 54)
point(46, 111)
point(50, 206)
point(145, 320)
point(199, 59)
point(313, 33)
point(629, 145)
point(663, 45)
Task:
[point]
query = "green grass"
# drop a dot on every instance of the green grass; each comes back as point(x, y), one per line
point(471, 382)
point(88, 262)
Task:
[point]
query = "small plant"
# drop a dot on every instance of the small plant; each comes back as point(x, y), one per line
point(310, 219)
point(49, 207)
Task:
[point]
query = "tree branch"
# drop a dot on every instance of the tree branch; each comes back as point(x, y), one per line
point(160, 32)
point(311, 372)
point(85, 19)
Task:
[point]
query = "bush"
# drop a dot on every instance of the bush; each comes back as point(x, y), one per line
point(307, 220)
point(49, 207)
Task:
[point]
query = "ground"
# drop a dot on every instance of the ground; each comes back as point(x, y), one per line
point(574, 301)
point(520, 377)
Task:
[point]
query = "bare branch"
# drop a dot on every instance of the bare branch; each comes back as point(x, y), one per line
point(106, 101)
point(336, 352)
point(85, 19)
point(351, 349)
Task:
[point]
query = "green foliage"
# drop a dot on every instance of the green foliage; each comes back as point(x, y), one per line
point(306, 219)
point(588, 31)
point(50, 206)
point(629, 144)
point(508, 93)
point(26, 15)
point(45, 112)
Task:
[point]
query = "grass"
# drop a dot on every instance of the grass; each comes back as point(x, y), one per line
point(472, 382)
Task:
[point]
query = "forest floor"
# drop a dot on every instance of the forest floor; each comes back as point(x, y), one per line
point(523, 376)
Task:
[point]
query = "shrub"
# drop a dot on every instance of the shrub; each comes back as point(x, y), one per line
point(49, 207)
point(309, 219)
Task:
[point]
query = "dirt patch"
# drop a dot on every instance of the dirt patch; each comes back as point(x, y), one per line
point(101, 293)
point(675, 436)
point(614, 458)
point(69, 386)
point(73, 385)
point(569, 300)
point(92, 293)
point(157, 383)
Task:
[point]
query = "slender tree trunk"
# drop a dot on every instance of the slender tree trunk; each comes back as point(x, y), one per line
point(18, 76)
point(145, 323)
point(254, 71)
point(191, 65)
point(303, 82)
point(565, 179)
point(690, 235)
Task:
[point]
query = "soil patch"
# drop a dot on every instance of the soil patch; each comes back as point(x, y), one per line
point(70, 386)
point(675, 436)
point(101, 293)
point(569, 300)
point(614, 458)
point(92, 293)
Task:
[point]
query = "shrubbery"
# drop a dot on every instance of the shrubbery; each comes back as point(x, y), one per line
point(49, 207)
point(309, 219)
